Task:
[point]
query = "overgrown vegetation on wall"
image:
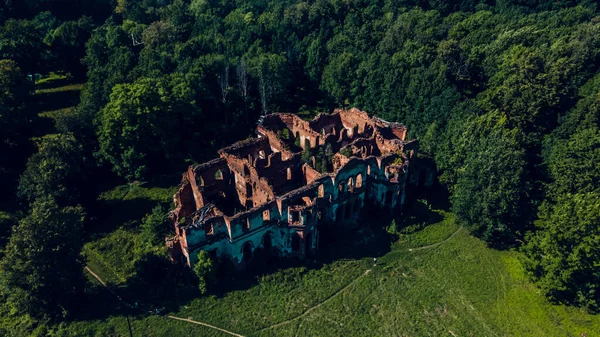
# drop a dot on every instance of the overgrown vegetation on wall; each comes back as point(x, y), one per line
point(505, 95)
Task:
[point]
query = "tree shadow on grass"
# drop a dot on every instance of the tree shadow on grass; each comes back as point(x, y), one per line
point(159, 284)
point(365, 237)
point(110, 215)
point(54, 83)
point(121, 210)
point(50, 101)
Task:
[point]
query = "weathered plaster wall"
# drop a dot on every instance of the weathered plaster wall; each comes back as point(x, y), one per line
point(259, 194)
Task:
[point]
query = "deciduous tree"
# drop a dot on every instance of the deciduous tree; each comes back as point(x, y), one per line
point(41, 272)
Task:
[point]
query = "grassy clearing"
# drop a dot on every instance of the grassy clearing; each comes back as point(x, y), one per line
point(459, 287)
point(126, 205)
point(150, 192)
point(65, 88)
point(110, 256)
point(54, 114)
point(111, 250)
point(55, 97)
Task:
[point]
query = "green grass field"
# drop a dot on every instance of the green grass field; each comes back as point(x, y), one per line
point(55, 97)
point(438, 281)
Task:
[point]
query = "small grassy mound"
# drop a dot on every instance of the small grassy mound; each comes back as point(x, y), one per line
point(410, 237)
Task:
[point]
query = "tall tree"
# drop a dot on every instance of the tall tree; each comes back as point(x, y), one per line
point(56, 170)
point(243, 85)
point(271, 71)
point(41, 273)
point(23, 42)
point(14, 124)
point(143, 127)
point(492, 191)
point(564, 251)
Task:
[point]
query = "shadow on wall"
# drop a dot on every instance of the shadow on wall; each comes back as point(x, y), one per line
point(160, 284)
point(365, 236)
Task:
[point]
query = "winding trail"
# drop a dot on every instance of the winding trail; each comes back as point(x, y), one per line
point(437, 243)
point(204, 324)
point(354, 281)
point(169, 316)
point(308, 311)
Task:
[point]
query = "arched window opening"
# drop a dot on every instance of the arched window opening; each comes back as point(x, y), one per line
point(308, 243)
point(350, 184)
point(289, 173)
point(267, 241)
point(247, 251)
point(321, 191)
point(359, 181)
point(266, 215)
point(295, 216)
point(295, 242)
point(368, 170)
point(219, 175)
point(209, 229)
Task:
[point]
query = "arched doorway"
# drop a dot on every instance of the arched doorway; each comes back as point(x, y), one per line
point(295, 242)
point(247, 251)
point(267, 242)
point(308, 244)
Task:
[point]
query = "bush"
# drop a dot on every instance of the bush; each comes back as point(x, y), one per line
point(205, 270)
point(392, 228)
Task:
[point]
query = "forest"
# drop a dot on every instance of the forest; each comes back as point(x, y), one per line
point(503, 94)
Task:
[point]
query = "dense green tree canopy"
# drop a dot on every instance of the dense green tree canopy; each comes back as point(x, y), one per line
point(56, 170)
point(565, 250)
point(492, 192)
point(14, 123)
point(40, 272)
point(503, 94)
point(143, 125)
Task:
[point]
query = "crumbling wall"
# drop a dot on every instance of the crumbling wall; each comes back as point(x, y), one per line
point(310, 174)
point(276, 144)
point(325, 124)
point(265, 197)
point(354, 119)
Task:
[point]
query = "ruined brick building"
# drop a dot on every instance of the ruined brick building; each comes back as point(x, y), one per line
point(267, 193)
